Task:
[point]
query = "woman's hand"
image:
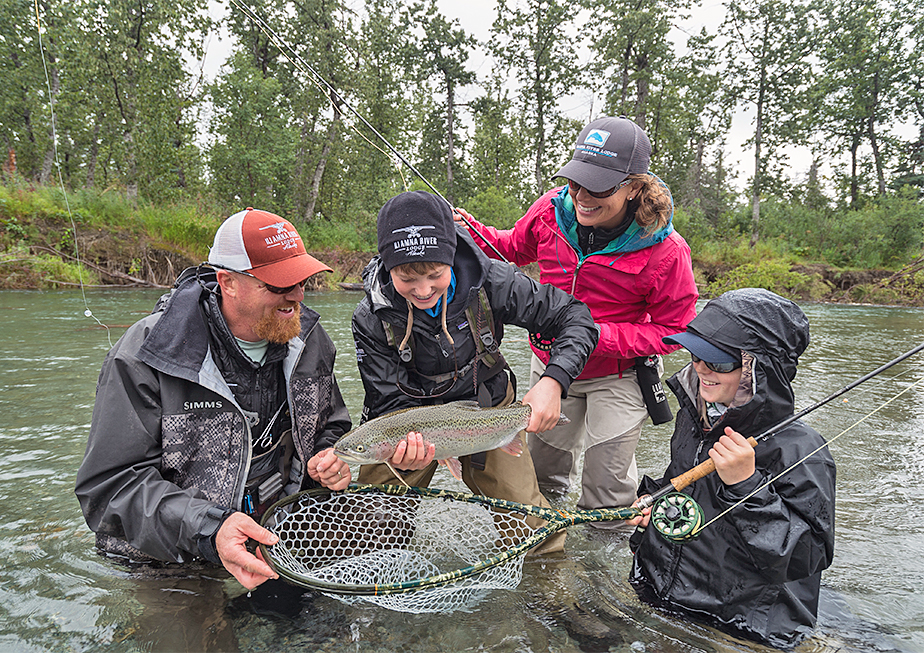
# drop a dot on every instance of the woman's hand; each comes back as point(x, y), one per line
point(460, 215)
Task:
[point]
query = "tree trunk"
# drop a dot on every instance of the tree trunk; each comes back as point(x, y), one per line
point(450, 145)
point(877, 158)
point(315, 190)
point(93, 158)
point(854, 182)
point(642, 86)
point(873, 141)
point(758, 164)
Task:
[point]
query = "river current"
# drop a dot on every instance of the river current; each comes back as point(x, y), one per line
point(58, 594)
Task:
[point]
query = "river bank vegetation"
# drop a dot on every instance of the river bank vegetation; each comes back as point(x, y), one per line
point(122, 153)
point(49, 240)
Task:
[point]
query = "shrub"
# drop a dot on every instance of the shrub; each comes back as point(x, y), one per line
point(774, 275)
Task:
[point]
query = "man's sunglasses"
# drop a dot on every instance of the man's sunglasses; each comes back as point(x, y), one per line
point(276, 290)
point(721, 368)
point(576, 187)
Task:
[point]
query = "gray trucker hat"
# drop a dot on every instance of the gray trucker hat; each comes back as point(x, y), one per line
point(606, 152)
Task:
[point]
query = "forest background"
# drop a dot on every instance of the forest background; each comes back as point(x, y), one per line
point(122, 156)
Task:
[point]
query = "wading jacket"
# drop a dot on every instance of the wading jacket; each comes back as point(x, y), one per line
point(514, 299)
point(639, 288)
point(755, 571)
point(170, 448)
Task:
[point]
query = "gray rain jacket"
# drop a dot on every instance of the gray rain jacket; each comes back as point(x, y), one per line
point(169, 449)
point(756, 571)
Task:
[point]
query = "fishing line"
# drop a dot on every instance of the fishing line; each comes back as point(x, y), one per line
point(806, 457)
point(54, 140)
point(330, 92)
point(315, 78)
point(684, 515)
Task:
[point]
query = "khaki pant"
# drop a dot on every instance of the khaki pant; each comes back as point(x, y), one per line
point(606, 416)
point(504, 476)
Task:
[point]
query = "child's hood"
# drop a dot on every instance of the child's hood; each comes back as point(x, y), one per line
point(773, 330)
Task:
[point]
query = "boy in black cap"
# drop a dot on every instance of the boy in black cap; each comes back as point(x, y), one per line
point(756, 570)
point(428, 331)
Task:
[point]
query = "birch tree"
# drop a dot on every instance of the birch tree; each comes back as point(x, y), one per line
point(767, 69)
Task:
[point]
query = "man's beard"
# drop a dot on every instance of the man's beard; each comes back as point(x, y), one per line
point(277, 329)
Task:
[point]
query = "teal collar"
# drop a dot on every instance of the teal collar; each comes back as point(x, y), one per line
point(632, 240)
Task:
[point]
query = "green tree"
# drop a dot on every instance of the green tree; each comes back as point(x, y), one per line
point(864, 76)
point(363, 173)
point(497, 155)
point(34, 38)
point(251, 156)
point(441, 54)
point(146, 92)
point(767, 69)
point(531, 39)
point(632, 51)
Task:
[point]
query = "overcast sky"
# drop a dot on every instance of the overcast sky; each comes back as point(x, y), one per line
point(476, 17)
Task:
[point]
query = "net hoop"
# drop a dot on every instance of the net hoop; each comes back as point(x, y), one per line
point(276, 515)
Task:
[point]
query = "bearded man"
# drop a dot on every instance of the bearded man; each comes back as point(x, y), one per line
point(214, 406)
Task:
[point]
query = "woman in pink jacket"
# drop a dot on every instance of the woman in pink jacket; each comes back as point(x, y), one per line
point(607, 238)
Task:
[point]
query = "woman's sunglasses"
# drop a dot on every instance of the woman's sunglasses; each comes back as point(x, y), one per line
point(576, 187)
point(721, 368)
point(276, 290)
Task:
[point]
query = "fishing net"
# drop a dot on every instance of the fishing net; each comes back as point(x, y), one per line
point(407, 549)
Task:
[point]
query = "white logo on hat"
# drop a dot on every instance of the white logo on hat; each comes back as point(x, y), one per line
point(596, 137)
point(414, 230)
point(280, 227)
point(413, 244)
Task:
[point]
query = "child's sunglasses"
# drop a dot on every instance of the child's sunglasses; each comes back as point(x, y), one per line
point(721, 368)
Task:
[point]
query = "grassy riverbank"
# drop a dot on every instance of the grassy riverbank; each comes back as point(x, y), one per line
point(96, 238)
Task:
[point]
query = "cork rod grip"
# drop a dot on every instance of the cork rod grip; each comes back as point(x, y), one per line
point(703, 469)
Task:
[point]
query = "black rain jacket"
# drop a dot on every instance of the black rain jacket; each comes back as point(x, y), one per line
point(756, 571)
point(514, 298)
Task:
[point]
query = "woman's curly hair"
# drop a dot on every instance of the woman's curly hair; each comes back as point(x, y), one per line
point(652, 204)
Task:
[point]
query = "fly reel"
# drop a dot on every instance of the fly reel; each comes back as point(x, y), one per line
point(677, 517)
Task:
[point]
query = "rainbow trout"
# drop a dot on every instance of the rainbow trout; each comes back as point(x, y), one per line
point(456, 429)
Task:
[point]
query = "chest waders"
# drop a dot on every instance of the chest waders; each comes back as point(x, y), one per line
point(480, 319)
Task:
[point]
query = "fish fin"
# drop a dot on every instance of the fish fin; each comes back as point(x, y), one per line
point(514, 447)
point(563, 419)
point(397, 475)
point(455, 467)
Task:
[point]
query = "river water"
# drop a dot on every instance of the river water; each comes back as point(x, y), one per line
point(58, 594)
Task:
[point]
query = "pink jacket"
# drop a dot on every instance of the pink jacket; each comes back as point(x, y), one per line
point(635, 297)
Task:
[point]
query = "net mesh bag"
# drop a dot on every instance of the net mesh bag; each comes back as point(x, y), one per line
point(410, 553)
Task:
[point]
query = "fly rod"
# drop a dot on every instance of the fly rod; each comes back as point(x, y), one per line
point(707, 467)
point(334, 94)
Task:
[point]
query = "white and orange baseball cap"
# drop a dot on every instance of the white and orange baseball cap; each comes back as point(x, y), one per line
point(264, 245)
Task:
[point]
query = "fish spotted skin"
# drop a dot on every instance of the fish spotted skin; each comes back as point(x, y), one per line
point(458, 428)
